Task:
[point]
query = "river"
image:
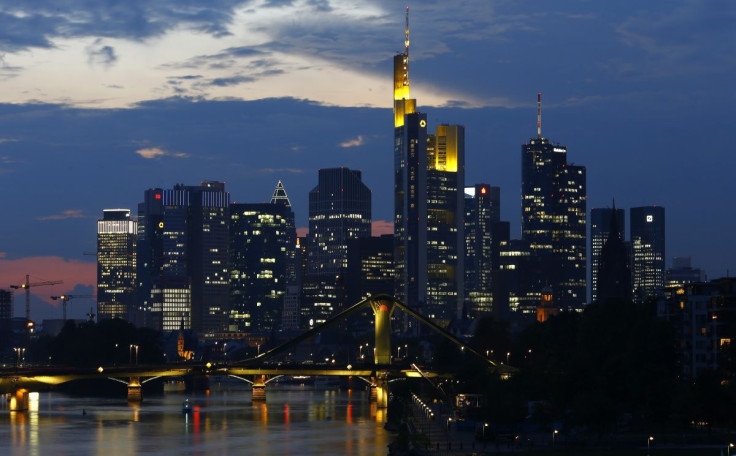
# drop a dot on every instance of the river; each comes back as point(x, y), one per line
point(294, 420)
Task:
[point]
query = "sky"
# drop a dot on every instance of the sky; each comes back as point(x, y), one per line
point(102, 100)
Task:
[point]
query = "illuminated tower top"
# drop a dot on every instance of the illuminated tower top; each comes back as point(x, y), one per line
point(402, 103)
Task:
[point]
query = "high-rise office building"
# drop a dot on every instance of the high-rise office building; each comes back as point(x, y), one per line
point(553, 203)
point(410, 188)
point(600, 226)
point(183, 255)
point(370, 267)
point(482, 211)
point(116, 264)
point(445, 223)
point(648, 247)
point(262, 244)
point(613, 275)
point(682, 273)
point(339, 210)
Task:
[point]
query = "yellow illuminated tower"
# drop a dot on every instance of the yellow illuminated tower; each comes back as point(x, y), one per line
point(403, 105)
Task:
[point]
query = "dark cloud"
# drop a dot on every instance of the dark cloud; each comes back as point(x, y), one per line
point(231, 81)
point(101, 54)
point(37, 23)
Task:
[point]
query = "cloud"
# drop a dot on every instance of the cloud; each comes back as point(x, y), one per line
point(231, 81)
point(3, 255)
point(149, 153)
point(302, 231)
point(379, 227)
point(8, 140)
point(66, 214)
point(100, 54)
point(355, 142)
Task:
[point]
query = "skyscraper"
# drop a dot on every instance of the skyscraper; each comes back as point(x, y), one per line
point(482, 211)
point(339, 210)
point(445, 223)
point(262, 243)
point(410, 188)
point(553, 203)
point(183, 253)
point(116, 264)
point(648, 247)
point(614, 269)
point(600, 226)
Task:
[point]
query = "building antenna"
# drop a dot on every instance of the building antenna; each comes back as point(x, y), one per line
point(406, 41)
point(539, 115)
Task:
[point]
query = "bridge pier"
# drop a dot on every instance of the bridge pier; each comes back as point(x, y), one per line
point(135, 393)
point(381, 389)
point(259, 388)
point(18, 400)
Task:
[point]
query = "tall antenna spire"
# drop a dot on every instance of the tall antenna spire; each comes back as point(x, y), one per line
point(406, 41)
point(539, 115)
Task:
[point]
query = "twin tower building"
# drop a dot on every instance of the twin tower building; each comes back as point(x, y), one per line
point(193, 259)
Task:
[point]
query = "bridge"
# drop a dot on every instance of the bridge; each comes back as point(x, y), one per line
point(260, 370)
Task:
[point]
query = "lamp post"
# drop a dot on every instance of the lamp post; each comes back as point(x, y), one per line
point(649, 441)
point(508, 355)
point(728, 449)
point(554, 433)
point(485, 425)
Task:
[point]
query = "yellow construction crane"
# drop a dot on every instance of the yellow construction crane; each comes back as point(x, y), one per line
point(65, 298)
point(27, 286)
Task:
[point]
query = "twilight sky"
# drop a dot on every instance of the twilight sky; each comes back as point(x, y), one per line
point(101, 100)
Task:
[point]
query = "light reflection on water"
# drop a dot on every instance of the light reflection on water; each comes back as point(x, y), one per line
point(293, 421)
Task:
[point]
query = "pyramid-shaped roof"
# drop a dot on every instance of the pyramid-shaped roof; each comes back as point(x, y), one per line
point(280, 196)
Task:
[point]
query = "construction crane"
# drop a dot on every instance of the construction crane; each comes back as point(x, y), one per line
point(27, 286)
point(65, 298)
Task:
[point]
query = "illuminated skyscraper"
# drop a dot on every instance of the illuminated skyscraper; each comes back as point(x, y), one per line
point(339, 210)
point(600, 227)
point(262, 243)
point(553, 201)
point(410, 188)
point(183, 245)
point(648, 247)
point(482, 211)
point(445, 223)
point(116, 264)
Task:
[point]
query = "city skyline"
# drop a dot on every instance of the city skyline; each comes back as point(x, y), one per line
point(647, 135)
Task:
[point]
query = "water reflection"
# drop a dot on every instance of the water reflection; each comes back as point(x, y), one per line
point(297, 421)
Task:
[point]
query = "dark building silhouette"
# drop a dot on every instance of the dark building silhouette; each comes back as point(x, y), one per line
point(482, 211)
point(600, 226)
point(648, 247)
point(262, 251)
point(614, 270)
point(183, 257)
point(370, 267)
point(117, 237)
point(553, 203)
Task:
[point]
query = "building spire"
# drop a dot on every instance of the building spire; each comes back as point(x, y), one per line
point(539, 115)
point(406, 41)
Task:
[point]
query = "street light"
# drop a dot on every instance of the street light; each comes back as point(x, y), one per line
point(554, 433)
point(728, 449)
point(649, 441)
point(485, 425)
point(508, 355)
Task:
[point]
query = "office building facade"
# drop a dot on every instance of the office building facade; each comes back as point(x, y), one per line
point(262, 244)
point(482, 211)
point(117, 237)
point(554, 217)
point(600, 227)
point(648, 248)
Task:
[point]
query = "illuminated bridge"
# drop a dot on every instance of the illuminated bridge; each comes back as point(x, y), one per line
point(257, 371)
